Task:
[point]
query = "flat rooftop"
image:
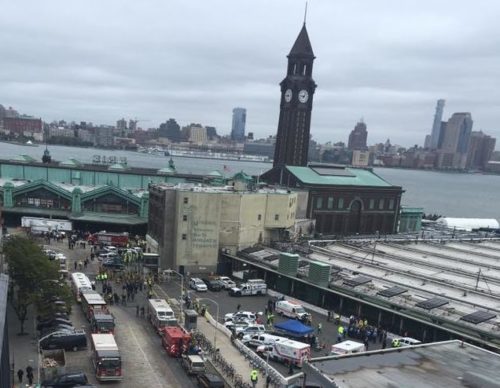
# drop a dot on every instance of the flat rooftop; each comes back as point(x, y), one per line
point(440, 364)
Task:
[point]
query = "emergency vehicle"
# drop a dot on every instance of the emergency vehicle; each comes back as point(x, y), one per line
point(160, 314)
point(286, 351)
point(105, 238)
point(106, 357)
point(347, 347)
point(247, 289)
point(175, 340)
point(93, 303)
point(291, 309)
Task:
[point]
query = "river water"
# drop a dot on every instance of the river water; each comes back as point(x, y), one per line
point(450, 194)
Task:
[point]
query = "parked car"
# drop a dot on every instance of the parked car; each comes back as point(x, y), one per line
point(250, 329)
point(53, 315)
point(227, 282)
point(193, 364)
point(59, 327)
point(67, 380)
point(197, 284)
point(213, 284)
point(240, 315)
point(209, 380)
point(115, 263)
point(67, 340)
point(256, 340)
point(52, 322)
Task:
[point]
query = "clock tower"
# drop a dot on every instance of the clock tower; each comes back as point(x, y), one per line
point(297, 89)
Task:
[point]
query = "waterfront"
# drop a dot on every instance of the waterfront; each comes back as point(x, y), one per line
point(451, 194)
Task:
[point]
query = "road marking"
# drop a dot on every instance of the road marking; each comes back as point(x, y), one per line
point(144, 355)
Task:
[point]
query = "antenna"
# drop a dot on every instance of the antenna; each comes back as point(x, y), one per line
point(305, 14)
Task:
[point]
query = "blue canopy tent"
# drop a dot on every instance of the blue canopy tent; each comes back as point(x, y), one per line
point(294, 328)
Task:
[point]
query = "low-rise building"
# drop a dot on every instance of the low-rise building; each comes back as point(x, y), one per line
point(189, 224)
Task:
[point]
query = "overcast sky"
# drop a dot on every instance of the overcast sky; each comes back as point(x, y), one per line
point(387, 61)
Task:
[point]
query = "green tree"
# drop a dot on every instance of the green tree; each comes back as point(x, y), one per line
point(35, 278)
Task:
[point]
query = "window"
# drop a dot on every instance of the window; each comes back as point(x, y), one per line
point(259, 217)
point(330, 203)
point(319, 202)
point(184, 217)
point(184, 236)
point(276, 217)
point(391, 204)
point(372, 204)
point(381, 204)
point(186, 200)
point(340, 204)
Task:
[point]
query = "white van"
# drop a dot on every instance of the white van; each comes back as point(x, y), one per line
point(291, 309)
point(261, 339)
point(408, 341)
point(347, 347)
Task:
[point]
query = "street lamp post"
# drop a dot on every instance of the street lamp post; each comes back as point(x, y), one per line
point(216, 320)
point(182, 292)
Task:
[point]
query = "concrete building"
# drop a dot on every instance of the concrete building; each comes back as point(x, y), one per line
point(360, 158)
point(455, 144)
point(238, 124)
point(435, 365)
point(190, 224)
point(132, 126)
point(436, 125)
point(358, 137)
point(259, 148)
point(198, 134)
point(121, 127)
point(104, 136)
point(61, 132)
point(481, 147)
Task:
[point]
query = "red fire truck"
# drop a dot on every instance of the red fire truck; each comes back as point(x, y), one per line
point(175, 340)
point(105, 238)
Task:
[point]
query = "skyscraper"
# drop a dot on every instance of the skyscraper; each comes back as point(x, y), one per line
point(481, 147)
point(297, 89)
point(238, 127)
point(455, 143)
point(436, 125)
point(357, 137)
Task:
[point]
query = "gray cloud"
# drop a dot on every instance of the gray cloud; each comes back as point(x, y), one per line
point(387, 61)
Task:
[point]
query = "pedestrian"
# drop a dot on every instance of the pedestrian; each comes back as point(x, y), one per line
point(238, 307)
point(124, 299)
point(20, 374)
point(75, 265)
point(137, 310)
point(265, 311)
point(366, 342)
point(290, 368)
point(142, 312)
point(320, 326)
point(29, 375)
point(384, 344)
point(254, 377)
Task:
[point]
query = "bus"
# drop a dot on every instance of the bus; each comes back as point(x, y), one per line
point(160, 314)
point(106, 358)
point(93, 303)
point(80, 282)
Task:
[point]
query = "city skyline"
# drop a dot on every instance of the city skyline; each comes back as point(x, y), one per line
point(63, 62)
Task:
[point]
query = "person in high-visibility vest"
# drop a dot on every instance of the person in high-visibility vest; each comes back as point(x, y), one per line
point(396, 343)
point(254, 377)
point(340, 333)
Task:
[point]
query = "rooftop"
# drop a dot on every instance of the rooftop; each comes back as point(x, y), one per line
point(336, 175)
point(441, 364)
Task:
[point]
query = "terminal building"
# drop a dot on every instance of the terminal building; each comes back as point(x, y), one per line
point(100, 196)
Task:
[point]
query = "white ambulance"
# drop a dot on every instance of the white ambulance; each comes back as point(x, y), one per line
point(347, 347)
point(286, 351)
point(291, 309)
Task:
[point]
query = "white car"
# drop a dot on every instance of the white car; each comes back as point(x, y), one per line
point(197, 284)
point(250, 329)
point(240, 315)
point(227, 283)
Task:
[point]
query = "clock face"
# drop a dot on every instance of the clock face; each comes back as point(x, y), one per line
point(288, 95)
point(303, 96)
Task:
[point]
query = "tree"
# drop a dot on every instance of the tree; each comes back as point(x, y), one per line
point(35, 278)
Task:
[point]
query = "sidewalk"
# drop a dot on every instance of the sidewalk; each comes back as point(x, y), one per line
point(227, 349)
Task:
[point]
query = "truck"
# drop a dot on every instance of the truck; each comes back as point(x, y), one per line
point(175, 340)
point(160, 314)
point(93, 303)
point(247, 289)
point(37, 224)
point(106, 358)
point(106, 238)
point(292, 309)
point(102, 323)
point(286, 351)
point(53, 364)
point(347, 347)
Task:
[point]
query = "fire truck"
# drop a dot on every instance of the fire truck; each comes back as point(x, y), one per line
point(175, 340)
point(105, 238)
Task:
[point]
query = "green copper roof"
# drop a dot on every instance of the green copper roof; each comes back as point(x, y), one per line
point(340, 176)
point(215, 173)
point(24, 159)
point(71, 162)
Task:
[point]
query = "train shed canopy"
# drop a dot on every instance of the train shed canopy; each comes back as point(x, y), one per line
point(468, 224)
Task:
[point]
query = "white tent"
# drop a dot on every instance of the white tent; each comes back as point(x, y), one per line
point(468, 223)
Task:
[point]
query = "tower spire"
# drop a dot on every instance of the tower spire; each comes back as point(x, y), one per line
point(305, 14)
